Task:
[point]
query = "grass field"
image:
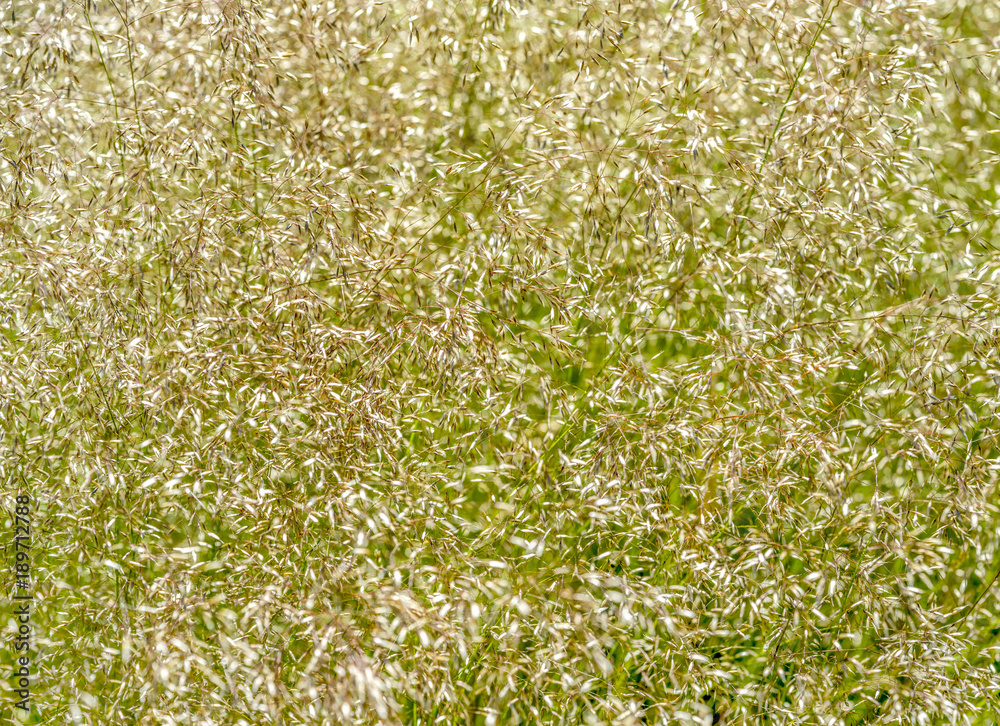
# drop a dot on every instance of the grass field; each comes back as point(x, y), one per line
point(502, 363)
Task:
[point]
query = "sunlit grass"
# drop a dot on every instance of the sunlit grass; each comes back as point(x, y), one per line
point(492, 363)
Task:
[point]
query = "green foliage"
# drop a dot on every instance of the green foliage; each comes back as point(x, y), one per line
point(505, 363)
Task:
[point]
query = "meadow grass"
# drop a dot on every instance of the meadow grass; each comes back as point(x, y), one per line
point(504, 363)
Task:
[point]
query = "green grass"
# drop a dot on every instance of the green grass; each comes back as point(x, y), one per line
point(489, 363)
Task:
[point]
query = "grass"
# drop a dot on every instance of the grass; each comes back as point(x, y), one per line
point(503, 363)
